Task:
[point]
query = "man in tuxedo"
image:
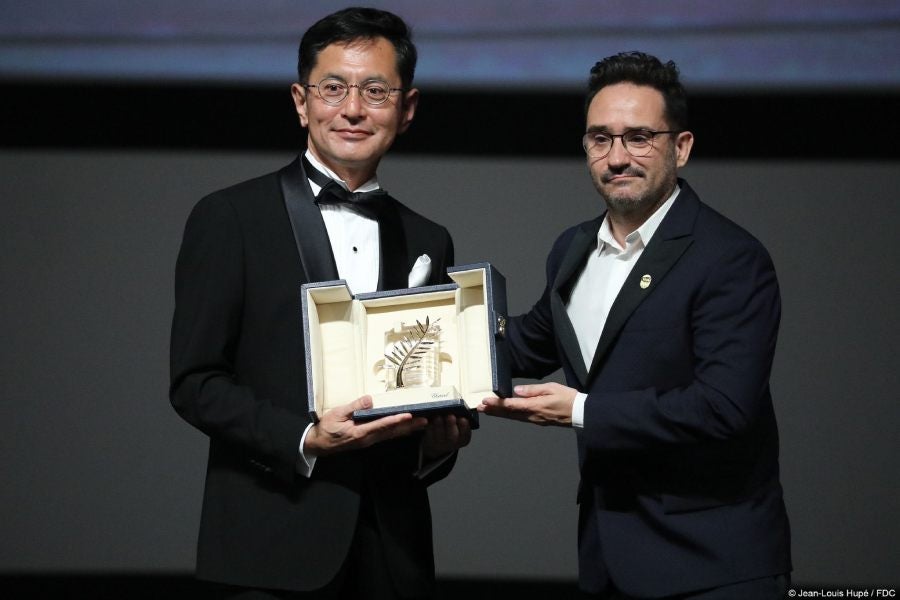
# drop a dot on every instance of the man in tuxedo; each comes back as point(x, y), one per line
point(292, 508)
point(663, 315)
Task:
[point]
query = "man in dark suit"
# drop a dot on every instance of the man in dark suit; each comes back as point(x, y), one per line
point(663, 315)
point(292, 508)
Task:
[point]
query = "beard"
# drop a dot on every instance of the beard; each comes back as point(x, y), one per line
point(624, 202)
point(630, 203)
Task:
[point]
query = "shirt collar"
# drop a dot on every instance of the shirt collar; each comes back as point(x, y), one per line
point(640, 236)
point(368, 186)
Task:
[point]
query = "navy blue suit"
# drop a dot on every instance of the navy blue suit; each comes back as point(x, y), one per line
point(679, 452)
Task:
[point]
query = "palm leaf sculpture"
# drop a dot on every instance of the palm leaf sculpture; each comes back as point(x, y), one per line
point(412, 348)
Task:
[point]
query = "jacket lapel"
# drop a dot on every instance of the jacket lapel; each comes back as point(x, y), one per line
point(673, 237)
point(309, 230)
point(584, 241)
point(394, 271)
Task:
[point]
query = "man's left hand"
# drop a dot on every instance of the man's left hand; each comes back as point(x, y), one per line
point(541, 404)
point(445, 434)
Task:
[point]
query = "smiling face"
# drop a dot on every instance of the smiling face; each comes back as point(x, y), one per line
point(633, 187)
point(351, 138)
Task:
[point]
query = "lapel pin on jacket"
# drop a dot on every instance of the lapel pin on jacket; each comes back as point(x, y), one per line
point(645, 281)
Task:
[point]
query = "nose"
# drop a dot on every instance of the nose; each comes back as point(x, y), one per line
point(353, 106)
point(618, 155)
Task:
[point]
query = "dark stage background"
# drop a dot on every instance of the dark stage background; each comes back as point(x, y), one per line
point(102, 481)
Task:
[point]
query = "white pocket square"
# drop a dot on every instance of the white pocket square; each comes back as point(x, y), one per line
point(420, 271)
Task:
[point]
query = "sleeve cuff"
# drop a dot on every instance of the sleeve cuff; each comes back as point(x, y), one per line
point(578, 410)
point(305, 464)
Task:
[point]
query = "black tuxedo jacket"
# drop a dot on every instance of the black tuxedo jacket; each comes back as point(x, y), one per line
point(237, 374)
point(679, 451)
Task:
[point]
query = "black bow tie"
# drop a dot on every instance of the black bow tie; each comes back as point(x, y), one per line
point(368, 204)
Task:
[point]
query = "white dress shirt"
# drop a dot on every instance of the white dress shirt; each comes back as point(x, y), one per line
point(354, 237)
point(600, 282)
point(357, 255)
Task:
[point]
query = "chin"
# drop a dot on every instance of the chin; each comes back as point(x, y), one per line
point(627, 204)
point(620, 198)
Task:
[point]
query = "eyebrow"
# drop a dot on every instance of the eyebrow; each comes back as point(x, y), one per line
point(608, 131)
point(364, 80)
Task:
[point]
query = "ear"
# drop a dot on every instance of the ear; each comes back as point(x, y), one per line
point(683, 144)
point(298, 92)
point(408, 109)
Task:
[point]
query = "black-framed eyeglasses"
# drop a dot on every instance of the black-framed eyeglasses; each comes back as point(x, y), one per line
point(333, 90)
point(637, 142)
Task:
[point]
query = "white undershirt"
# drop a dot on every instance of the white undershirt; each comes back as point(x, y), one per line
point(600, 283)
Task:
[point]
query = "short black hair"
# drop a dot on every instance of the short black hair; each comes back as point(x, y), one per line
point(352, 24)
point(643, 69)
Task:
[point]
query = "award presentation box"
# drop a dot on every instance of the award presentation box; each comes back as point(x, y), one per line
point(426, 350)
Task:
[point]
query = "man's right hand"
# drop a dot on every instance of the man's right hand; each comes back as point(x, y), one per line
point(336, 431)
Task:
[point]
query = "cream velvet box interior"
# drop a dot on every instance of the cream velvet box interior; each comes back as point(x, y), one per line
point(449, 336)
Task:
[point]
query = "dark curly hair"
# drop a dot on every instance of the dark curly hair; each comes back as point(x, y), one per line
point(642, 69)
point(352, 24)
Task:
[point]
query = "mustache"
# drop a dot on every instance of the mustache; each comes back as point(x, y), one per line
point(608, 175)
